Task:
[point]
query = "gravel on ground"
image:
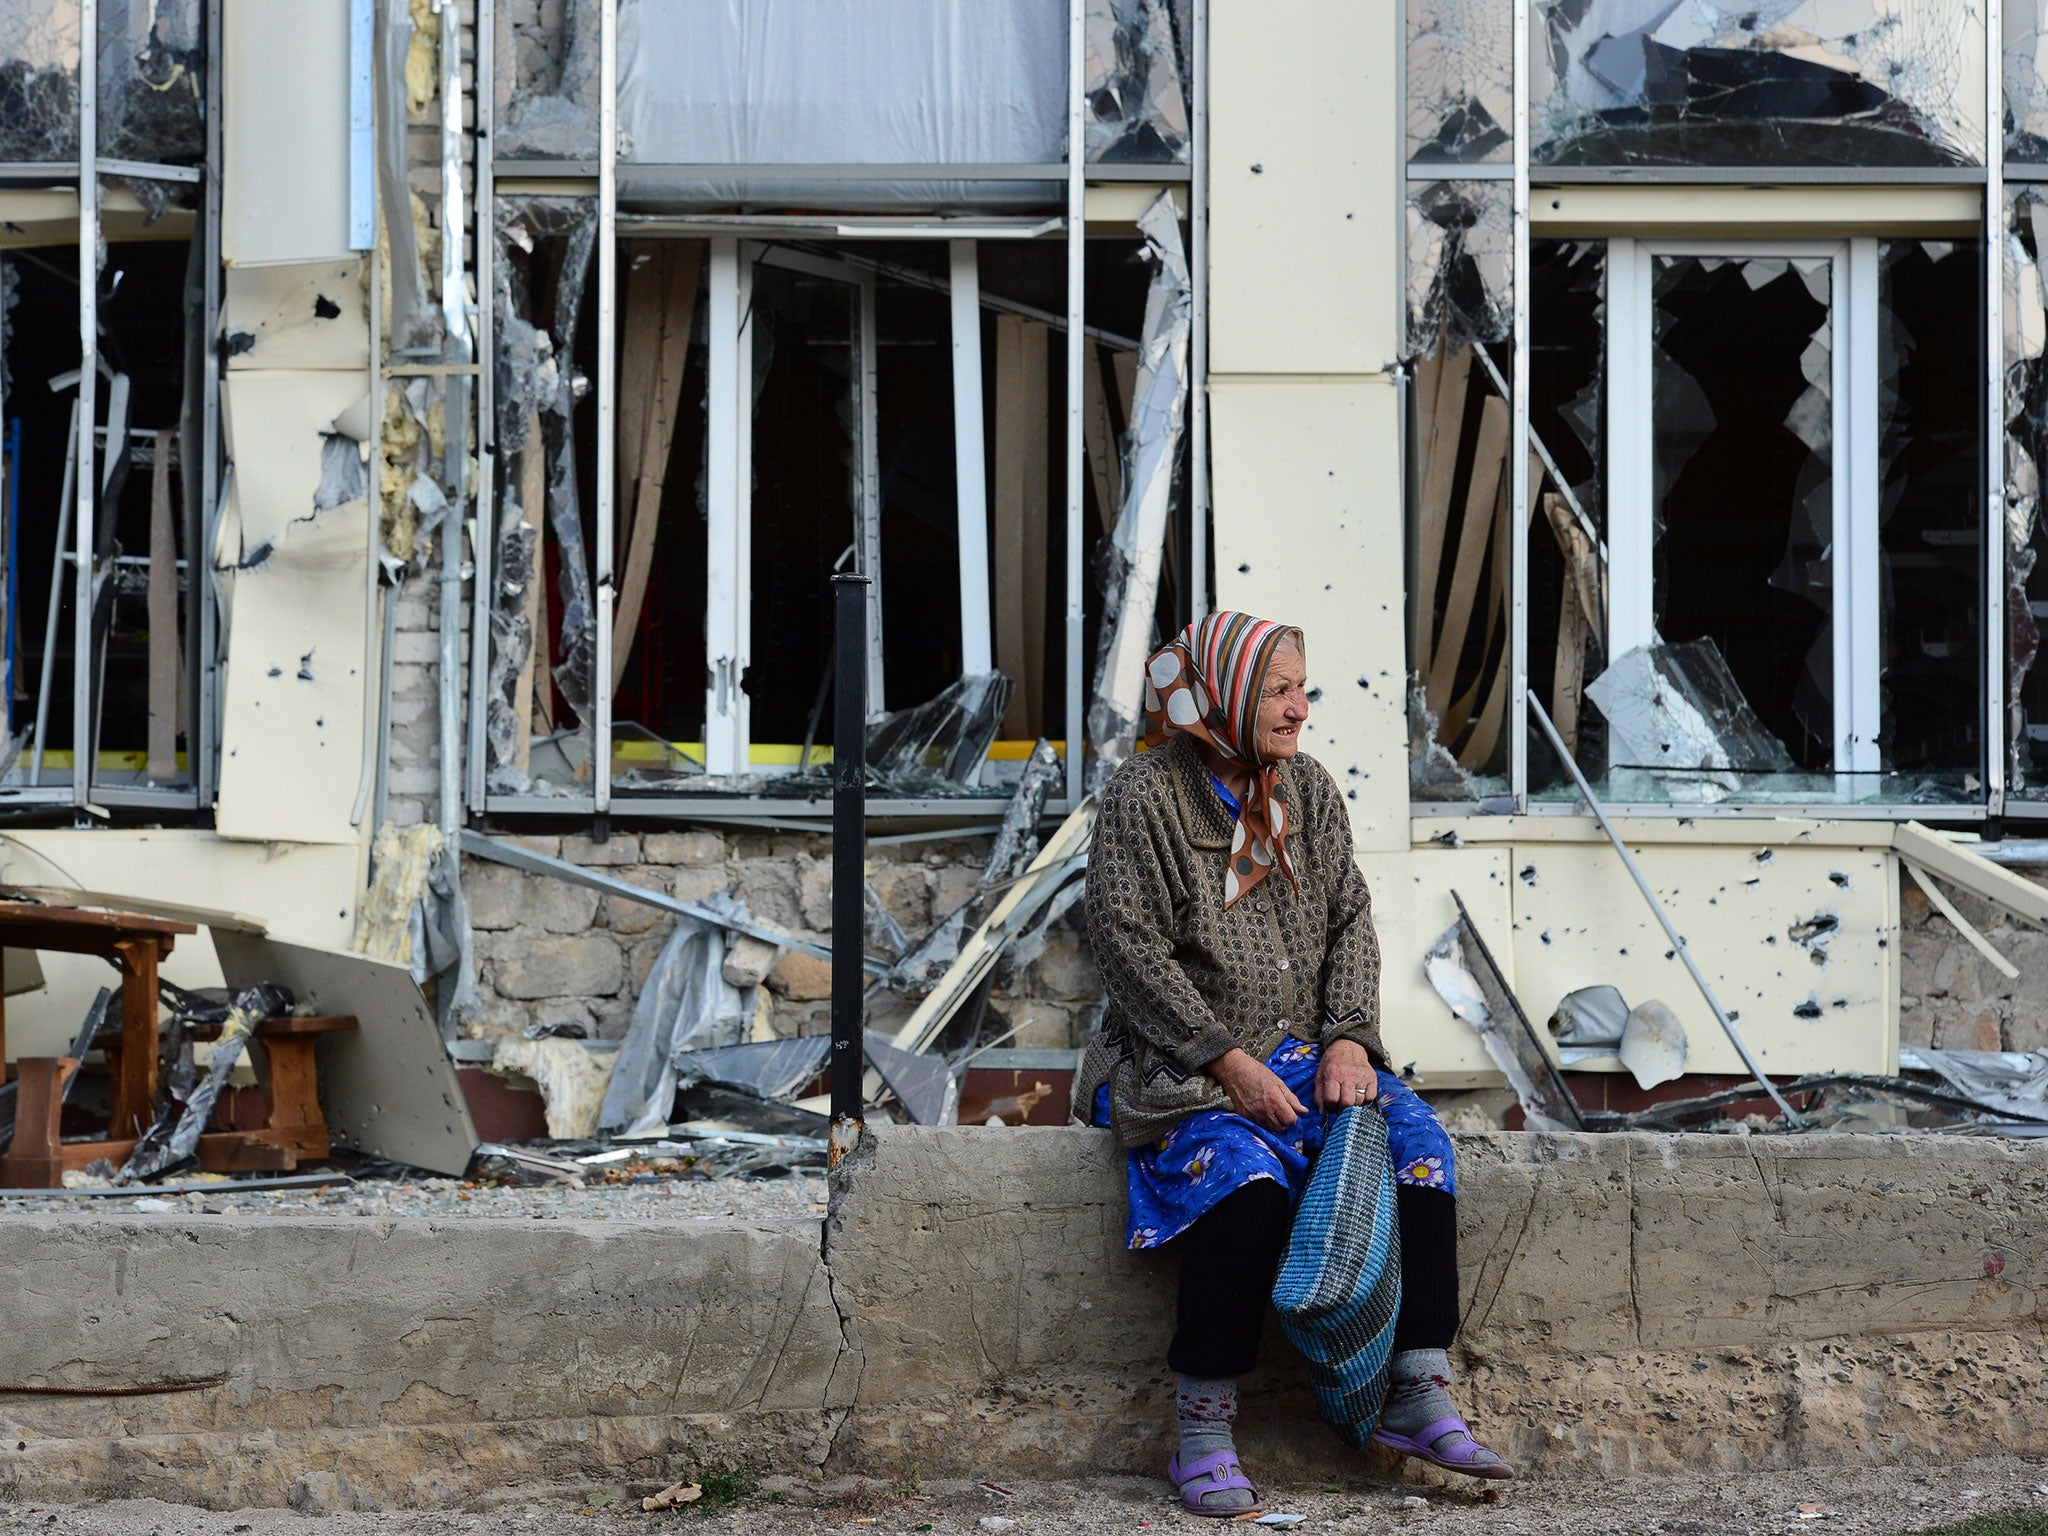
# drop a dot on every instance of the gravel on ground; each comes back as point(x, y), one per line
point(1881, 1501)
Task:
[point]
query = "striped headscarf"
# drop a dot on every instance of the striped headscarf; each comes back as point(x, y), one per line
point(1206, 684)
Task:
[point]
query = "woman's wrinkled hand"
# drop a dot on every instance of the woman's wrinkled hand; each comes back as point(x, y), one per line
point(1256, 1091)
point(1346, 1077)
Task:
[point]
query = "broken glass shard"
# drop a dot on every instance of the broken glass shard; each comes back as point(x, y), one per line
point(39, 49)
point(1460, 88)
point(1675, 712)
point(1781, 83)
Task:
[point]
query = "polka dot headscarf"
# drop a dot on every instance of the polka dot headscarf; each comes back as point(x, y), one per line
point(1206, 684)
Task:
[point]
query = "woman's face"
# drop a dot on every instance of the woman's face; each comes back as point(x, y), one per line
point(1283, 705)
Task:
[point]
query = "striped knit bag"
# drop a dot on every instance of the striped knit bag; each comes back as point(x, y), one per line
point(1339, 1288)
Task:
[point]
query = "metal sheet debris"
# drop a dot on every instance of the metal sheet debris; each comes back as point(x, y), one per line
point(1152, 453)
point(1463, 972)
point(1134, 82)
point(685, 1004)
point(174, 1138)
point(2006, 1082)
point(1653, 1045)
point(388, 1088)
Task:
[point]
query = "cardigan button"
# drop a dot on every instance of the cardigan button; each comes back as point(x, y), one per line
point(1265, 906)
point(1283, 965)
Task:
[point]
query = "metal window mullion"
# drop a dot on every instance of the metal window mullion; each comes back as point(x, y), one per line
point(202, 735)
point(1198, 339)
point(870, 514)
point(722, 578)
point(1997, 710)
point(1631, 520)
point(607, 388)
point(970, 460)
point(87, 482)
point(1077, 245)
point(1518, 440)
point(483, 544)
point(1857, 557)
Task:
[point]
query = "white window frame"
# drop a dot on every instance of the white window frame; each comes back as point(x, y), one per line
point(1856, 537)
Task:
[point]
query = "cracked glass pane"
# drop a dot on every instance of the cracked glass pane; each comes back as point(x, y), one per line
point(547, 80)
point(1461, 85)
point(2026, 449)
point(39, 49)
point(152, 81)
point(1781, 82)
point(1134, 74)
point(1460, 326)
point(1736, 692)
point(2026, 82)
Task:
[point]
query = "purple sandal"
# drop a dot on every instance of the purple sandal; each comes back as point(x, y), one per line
point(1206, 1475)
point(1459, 1456)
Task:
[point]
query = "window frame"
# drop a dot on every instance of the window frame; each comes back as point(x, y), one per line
point(728, 609)
point(200, 683)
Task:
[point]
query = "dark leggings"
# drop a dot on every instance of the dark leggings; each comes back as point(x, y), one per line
point(1229, 1256)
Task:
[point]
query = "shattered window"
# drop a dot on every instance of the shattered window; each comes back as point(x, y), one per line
point(540, 694)
point(1769, 542)
point(2026, 83)
point(152, 81)
point(2026, 450)
point(546, 74)
point(1784, 82)
point(1135, 73)
point(39, 51)
point(1461, 84)
point(1567, 598)
point(1459, 337)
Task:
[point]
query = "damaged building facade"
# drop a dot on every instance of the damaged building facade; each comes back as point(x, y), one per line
point(430, 432)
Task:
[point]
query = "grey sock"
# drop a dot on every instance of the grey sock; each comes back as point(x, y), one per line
point(1207, 1408)
point(1419, 1395)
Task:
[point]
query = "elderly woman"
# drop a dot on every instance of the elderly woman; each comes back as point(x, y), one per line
point(1234, 935)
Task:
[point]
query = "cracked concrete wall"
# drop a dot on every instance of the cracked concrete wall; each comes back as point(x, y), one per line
point(413, 1362)
point(1633, 1303)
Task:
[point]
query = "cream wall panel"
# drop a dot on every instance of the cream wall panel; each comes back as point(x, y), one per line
point(1780, 211)
point(302, 315)
point(284, 131)
point(1304, 130)
point(1412, 906)
point(305, 893)
point(1579, 921)
point(1308, 531)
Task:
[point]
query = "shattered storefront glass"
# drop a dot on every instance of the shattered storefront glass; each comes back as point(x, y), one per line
point(152, 81)
point(1734, 693)
point(1134, 68)
point(39, 51)
point(543, 631)
point(2026, 82)
point(2026, 450)
point(1461, 87)
point(1783, 82)
point(1459, 330)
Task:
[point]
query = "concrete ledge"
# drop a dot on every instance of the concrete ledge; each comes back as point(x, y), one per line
point(1633, 1303)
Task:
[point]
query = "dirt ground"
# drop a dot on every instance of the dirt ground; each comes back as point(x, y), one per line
point(1880, 1500)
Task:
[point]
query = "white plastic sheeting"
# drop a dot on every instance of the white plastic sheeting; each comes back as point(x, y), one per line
point(871, 82)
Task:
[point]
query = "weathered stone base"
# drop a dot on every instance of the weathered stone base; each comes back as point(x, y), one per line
point(1633, 1304)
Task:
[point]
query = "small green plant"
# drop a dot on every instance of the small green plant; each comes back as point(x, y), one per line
point(2007, 1522)
point(729, 1487)
point(910, 1487)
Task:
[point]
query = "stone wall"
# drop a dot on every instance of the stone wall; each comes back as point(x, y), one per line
point(1952, 998)
point(550, 952)
point(1632, 1303)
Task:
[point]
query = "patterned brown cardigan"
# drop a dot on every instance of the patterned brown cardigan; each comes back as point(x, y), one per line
point(1187, 980)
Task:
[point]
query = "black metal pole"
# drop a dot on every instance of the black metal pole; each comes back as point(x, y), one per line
point(849, 857)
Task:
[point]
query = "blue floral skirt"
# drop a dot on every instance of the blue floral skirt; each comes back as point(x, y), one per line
point(1179, 1178)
